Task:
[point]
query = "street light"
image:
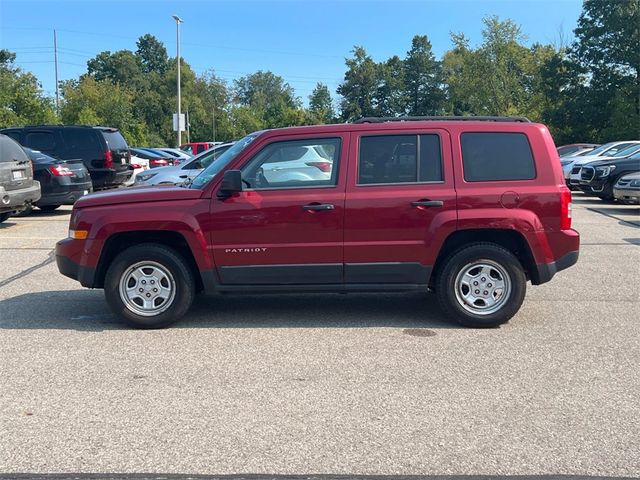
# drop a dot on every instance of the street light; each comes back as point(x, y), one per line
point(178, 122)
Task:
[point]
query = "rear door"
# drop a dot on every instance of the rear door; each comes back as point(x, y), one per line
point(401, 204)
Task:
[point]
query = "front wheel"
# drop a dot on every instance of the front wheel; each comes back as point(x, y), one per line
point(149, 285)
point(481, 285)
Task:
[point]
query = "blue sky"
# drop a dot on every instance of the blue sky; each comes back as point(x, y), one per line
point(303, 41)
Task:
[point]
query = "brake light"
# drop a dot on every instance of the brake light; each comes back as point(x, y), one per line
point(158, 162)
point(60, 171)
point(108, 159)
point(135, 166)
point(322, 166)
point(565, 208)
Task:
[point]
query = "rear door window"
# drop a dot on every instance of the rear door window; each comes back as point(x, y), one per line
point(391, 159)
point(491, 156)
point(42, 141)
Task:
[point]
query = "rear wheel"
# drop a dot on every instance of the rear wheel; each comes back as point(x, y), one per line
point(149, 285)
point(48, 208)
point(481, 285)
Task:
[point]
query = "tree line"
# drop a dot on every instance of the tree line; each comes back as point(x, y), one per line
point(588, 90)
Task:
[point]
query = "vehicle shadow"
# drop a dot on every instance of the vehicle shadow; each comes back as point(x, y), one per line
point(86, 310)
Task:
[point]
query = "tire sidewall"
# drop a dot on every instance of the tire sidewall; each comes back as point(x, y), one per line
point(170, 260)
point(478, 252)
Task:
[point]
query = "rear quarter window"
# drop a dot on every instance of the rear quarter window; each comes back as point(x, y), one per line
point(82, 142)
point(491, 156)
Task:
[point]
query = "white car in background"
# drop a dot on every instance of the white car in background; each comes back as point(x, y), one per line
point(574, 176)
point(176, 152)
point(607, 150)
point(185, 171)
point(139, 165)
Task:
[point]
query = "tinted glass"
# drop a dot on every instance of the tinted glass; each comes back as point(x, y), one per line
point(389, 159)
point(82, 142)
point(43, 141)
point(300, 163)
point(627, 151)
point(11, 151)
point(430, 167)
point(115, 140)
point(496, 157)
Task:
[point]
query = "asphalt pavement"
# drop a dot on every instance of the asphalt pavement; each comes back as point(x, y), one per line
point(355, 384)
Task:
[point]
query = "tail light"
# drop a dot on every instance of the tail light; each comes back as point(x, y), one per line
point(158, 162)
point(177, 161)
point(135, 166)
point(565, 208)
point(322, 166)
point(108, 159)
point(60, 171)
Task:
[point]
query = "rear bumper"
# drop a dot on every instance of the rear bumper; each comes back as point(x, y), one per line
point(546, 271)
point(65, 195)
point(17, 200)
point(106, 178)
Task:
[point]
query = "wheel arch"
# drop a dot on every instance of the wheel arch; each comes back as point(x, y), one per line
point(119, 242)
point(511, 240)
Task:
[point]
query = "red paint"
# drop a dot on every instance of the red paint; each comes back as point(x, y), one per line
point(368, 224)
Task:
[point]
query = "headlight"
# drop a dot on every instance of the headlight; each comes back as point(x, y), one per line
point(605, 171)
point(143, 177)
point(635, 183)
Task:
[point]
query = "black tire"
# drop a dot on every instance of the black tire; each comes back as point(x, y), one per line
point(4, 216)
point(48, 208)
point(182, 283)
point(460, 261)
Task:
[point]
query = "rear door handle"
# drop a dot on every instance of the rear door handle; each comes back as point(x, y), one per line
point(427, 203)
point(319, 206)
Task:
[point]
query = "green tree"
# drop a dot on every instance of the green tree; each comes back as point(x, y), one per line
point(122, 67)
point(390, 97)
point(89, 101)
point(271, 98)
point(152, 54)
point(423, 79)
point(22, 101)
point(358, 89)
point(320, 104)
point(607, 49)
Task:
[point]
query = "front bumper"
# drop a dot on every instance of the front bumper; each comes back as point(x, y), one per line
point(628, 195)
point(74, 262)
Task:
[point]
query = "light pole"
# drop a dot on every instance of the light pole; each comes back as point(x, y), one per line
point(179, 123)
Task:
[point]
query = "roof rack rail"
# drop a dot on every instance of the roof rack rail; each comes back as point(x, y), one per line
point(442, 118)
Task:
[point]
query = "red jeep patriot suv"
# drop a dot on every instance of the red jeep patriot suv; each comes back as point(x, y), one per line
point(470, 207)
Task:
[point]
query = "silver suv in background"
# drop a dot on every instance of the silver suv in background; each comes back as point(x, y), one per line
point(18, 189)
point(185, 171)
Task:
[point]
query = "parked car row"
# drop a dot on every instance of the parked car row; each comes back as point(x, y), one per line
point(608, 171)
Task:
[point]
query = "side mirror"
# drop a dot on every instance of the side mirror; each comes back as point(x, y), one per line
point(231, 183)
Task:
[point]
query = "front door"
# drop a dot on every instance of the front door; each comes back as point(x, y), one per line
point(286, 226)
point(401, 202)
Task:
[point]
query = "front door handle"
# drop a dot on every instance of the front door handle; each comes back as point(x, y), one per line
point(319, 206)
point(427, 203)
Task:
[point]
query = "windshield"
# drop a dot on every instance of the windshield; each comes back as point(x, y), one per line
point(600, 149)
point(222, 161)
point(625, 152)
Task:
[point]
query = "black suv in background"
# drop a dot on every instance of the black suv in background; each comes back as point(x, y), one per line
point(103, 150)
point(598, 178)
